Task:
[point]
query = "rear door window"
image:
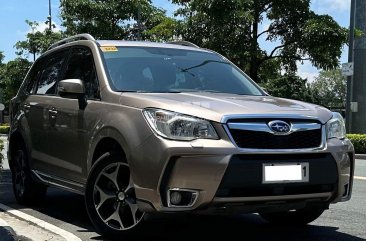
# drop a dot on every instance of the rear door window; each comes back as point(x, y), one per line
point(51, 72)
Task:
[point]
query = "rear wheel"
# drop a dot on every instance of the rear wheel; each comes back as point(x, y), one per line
point(295, 217)
point(110, 198)
point(26, 190)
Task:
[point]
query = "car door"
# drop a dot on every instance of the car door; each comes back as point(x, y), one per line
point(69, 125)
point(36, 107)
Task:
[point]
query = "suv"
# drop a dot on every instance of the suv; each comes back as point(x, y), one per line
point(140, 127)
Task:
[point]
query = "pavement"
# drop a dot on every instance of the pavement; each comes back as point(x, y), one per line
point(17, 229)
point(7, 233)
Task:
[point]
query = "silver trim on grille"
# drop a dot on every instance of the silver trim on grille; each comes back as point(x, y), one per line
point(225, 118)
point(262, 126)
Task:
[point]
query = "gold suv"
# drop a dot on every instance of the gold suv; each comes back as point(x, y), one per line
point(141, 127)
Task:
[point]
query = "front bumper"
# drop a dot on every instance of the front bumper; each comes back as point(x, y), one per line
point(203, 166)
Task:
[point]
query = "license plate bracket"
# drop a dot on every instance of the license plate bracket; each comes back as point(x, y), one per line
point(285, 172)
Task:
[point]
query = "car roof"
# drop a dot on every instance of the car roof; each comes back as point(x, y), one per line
point(125, 43)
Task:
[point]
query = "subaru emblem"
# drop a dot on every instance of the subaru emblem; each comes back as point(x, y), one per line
point(279, 127)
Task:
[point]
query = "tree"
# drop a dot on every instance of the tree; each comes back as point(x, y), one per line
point(233, 28)
point(1, 88)
point(329, 89)
point(36, 42)
point(289, 86)
point(2, 56)
point(166, 30)
point(11, 77)
point(115, 19)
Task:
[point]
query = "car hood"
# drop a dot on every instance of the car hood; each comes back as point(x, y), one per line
point(218, 106)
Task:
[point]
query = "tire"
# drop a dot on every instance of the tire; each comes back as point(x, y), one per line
point(26, 190)
point(295, 218)
point(110, 198)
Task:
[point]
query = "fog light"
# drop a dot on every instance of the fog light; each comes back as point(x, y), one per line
point(181, 198)
point(175, 198)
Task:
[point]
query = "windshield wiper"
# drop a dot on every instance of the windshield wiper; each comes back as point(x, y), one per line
point(204, 63)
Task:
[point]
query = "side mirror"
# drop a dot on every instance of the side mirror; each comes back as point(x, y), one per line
point(73, 88)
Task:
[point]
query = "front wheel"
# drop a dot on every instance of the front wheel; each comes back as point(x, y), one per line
point(110, 198)
point(295, 217)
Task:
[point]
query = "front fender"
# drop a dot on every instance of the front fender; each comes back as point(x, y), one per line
point(126, 125)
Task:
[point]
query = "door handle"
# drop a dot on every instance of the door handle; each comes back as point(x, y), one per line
point(26, 107)
point(53, 112)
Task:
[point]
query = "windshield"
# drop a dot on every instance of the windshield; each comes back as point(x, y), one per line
point(150, 69)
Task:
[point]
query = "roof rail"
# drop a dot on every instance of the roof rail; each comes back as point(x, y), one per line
point(183, 43)
point(84, 36)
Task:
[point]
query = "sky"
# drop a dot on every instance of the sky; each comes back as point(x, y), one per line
point(13, 28)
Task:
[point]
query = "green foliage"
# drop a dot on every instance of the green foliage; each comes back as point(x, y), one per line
point(4, 129)
point(36, 42)
point(166, 30)
point(359, 142)
point(358, 33)
point(232, 27)
point(102, 19)
point(11, 77)
point(289, 86)
point(116, 19)
point(329, 88)
point(2, 56)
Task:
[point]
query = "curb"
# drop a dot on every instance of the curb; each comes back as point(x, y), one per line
point(50, 228)
point(361, 156)
point(6, 232)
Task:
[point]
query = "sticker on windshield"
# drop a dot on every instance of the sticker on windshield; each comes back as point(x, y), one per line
point(109, 49)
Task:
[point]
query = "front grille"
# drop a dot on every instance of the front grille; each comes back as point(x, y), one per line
point(265, 140)
point(243, 176)
point(256, 134)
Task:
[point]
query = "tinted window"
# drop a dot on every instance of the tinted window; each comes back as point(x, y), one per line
point(81, 66)
point(168, 70)
point(31, 80)
point(51, 71)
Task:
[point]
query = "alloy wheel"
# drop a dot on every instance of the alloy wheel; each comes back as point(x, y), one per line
point(114, 197)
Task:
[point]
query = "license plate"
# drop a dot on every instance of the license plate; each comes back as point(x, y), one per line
point(282, 173)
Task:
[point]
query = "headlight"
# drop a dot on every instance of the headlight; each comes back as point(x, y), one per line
point(177, 126)
point(335, 127)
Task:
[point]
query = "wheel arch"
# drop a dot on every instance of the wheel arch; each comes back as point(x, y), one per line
point(14, 139)
point(107, 139)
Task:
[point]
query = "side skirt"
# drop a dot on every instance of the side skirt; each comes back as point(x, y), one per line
point(59, 182)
